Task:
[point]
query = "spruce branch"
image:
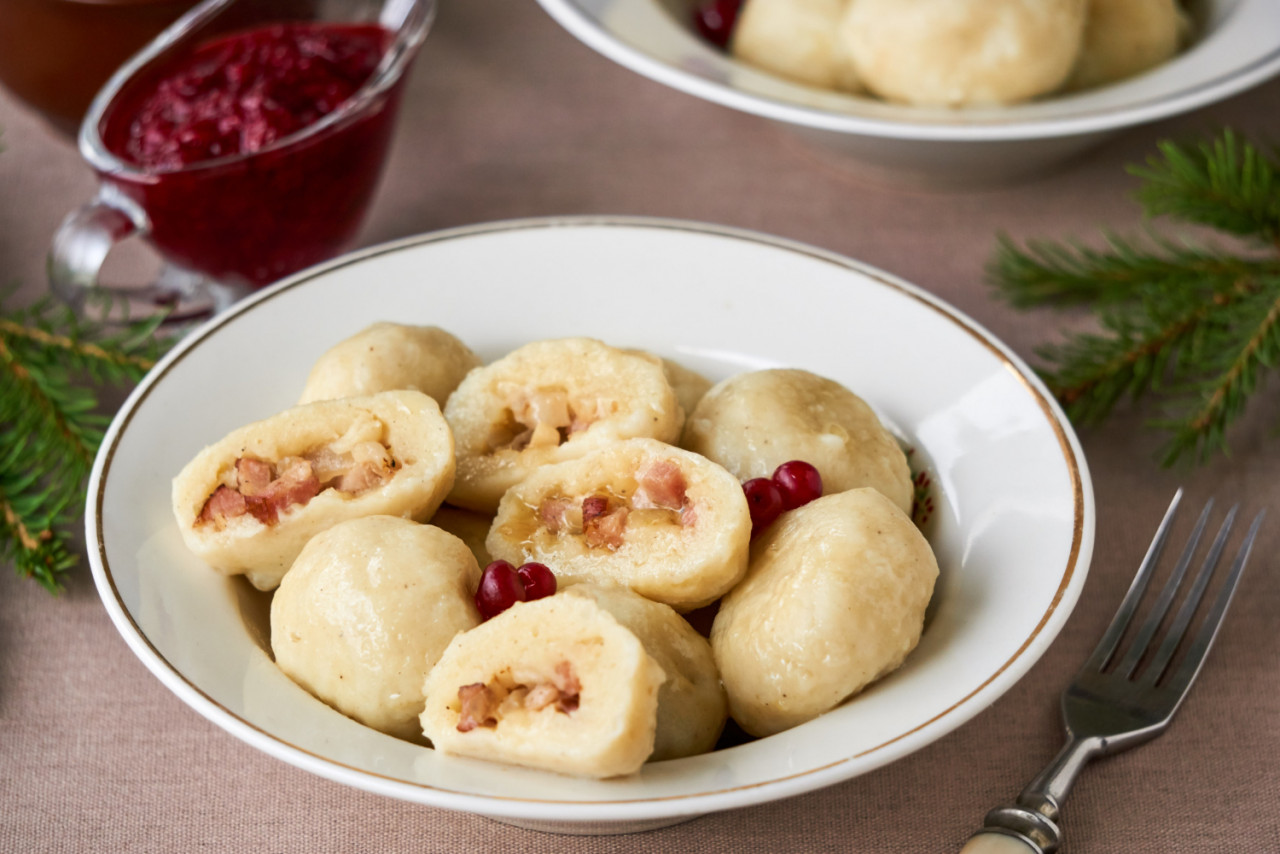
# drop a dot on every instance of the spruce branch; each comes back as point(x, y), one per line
point(51, 423)
point(1192, 327)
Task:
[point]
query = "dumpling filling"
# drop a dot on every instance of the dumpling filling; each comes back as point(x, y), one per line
point(483, 704)
point(264, 490)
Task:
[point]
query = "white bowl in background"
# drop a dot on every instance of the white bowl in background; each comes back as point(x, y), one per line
point(1012, 525)
point(1237, 46)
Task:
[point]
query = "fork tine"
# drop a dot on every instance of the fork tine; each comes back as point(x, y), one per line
point(1190, 667)
point(1163, 602)
point(1111, 638)
point(1179, 627)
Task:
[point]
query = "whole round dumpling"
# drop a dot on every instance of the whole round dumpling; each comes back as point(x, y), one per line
point(754, 422)
point(367, 610)
point(796, 39)
point(834, 599)
point(389, 356)
point(956, 53)
point(467, 525)
point(689, 385)
point(249, 502)
point(1125, 37)
point(668, 523)
point(691, 704)
point(548, 402)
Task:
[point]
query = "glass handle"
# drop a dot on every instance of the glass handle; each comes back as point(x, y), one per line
point(82, 242)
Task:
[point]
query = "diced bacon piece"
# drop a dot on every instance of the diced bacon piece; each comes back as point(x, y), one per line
point(661, 484)
point(224, 504)
point(549, 406)
point(551, 513)
point(370, 466)
point(295, 484)
point(479, 705)
point(541, 696)
point(603, 529)
point(252, 476)
point(569, 687)
point(544, 435)
point(328, 465)
point(593, 507)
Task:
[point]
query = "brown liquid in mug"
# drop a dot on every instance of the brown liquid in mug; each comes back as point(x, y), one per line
point(56, 54)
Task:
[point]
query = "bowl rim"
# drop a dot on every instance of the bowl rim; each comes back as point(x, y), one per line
point(617, 810)
point(571, 15)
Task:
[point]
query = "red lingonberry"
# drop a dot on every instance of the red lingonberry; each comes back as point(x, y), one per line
point(799, 482)
point(539, 580)
point(714, 20)
point(500, 588)
point(764, 500)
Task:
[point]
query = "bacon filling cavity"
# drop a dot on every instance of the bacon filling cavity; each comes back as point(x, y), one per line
point(484, 704)
point(539, 418)
point(264, 490)
point(601, 520)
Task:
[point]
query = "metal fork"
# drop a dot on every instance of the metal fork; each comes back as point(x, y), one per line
point(1120, 701)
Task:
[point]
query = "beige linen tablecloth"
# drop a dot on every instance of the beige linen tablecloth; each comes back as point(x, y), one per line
point(509, 116)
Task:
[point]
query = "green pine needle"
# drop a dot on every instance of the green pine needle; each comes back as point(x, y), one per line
point(51, 424)
point(1191, 328)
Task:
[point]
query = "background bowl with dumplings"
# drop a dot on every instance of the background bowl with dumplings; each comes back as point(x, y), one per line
point(1005, 495)
point(1232, 45)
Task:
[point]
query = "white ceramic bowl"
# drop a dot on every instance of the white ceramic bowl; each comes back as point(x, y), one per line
point(1237, 46)
point(1012, 525)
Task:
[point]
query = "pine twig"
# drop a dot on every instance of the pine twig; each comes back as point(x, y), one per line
point(1194, 327)
point(51, 424)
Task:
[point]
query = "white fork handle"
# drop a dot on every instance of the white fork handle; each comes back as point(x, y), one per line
point(999, 843)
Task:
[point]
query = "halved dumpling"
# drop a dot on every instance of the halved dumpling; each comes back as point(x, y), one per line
point(692, 708)
point(754, 422)
point(390, 356)
point(557, 684)
point(366, 611)
point(669, 524)
point(834, 599)
point(250, 502)
point(547, 402)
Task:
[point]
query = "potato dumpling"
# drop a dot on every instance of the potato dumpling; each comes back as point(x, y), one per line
point(688, 385)
point(249, 503)
point(691, 703)
point(956, 53)
point(754, 422)
point(467, 525)
point(366, 611)
point(834, 599)
point(390, 356)
point(548, 402)
point(1125, 37)
point(557, 684)
point(796, 39)
point(669, 524)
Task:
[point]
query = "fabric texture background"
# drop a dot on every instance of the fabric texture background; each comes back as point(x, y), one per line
point(507, 116)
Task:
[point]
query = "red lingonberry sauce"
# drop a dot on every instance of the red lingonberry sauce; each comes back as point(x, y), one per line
point(254, 219)
point(242, 93)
